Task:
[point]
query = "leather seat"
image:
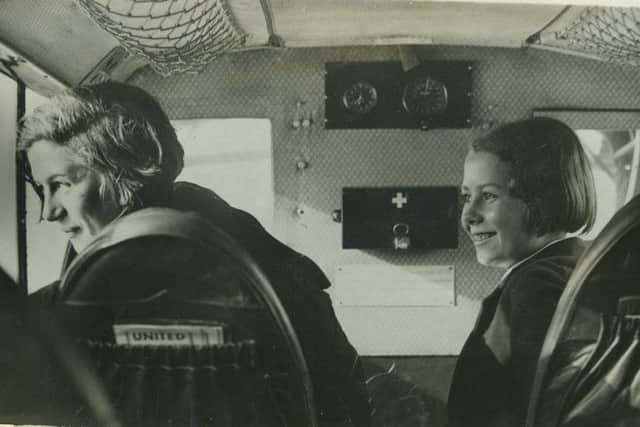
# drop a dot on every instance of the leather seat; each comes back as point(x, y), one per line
point(588, 373)
point(183, 328)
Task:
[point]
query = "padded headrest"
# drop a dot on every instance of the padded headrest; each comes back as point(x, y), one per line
point(604, 285)
point(152, 252)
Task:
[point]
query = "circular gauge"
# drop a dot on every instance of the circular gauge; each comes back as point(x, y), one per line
point(425, 97)
point(361, 97)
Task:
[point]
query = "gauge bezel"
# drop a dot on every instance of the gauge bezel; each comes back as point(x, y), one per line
point(360, 88)
point(411, 102)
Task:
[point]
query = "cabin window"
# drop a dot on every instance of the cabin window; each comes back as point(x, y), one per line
point(45, 242)
point(614, 156)
point(232, 157)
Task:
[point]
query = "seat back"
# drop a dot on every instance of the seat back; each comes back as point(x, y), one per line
point(183, 328)
point(588, 373)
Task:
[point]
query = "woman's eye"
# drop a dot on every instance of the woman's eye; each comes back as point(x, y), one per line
point(55, 185)
point(465, 198)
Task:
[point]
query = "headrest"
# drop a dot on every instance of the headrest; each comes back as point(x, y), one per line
point(602, 290)
point(153, 252)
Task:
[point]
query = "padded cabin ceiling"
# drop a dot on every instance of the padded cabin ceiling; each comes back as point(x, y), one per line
point(63, 42)
point(54, 35)
point(367, 22)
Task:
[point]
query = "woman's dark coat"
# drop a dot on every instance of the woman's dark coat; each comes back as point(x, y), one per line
point(334, 365)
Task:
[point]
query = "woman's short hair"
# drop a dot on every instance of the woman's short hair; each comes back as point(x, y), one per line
point(118, 130)
point(550, 172)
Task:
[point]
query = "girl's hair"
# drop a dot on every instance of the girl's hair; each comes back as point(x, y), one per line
point(550, 170)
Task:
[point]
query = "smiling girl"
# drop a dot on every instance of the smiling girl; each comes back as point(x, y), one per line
point(526, 186)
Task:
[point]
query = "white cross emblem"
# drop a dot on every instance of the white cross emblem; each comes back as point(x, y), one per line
point(400, 200)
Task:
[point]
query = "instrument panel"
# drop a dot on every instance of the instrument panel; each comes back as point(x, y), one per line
point(434, 94)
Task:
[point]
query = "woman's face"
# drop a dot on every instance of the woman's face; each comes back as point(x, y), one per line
point(494, 219)
point(70, 190)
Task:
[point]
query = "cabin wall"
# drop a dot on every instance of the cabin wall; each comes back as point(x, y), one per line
point(507, 85)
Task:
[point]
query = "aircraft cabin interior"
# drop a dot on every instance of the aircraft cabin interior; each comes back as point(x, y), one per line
point(342, 127)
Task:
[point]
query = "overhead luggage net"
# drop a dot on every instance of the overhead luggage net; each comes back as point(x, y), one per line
point(608, 33)
point(173, 35)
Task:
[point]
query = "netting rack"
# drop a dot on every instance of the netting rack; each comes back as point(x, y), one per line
point(606, 33)
point(174, 36)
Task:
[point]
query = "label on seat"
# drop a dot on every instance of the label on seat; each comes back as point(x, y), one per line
point(168, 335)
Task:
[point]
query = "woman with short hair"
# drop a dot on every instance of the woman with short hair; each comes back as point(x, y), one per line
point(118, 133)
point(100, 152)
point(527, 185)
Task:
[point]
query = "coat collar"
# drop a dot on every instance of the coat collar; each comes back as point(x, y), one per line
point(551, 249)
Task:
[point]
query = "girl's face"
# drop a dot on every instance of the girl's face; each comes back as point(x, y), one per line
point(494, 220)
point(70, 190)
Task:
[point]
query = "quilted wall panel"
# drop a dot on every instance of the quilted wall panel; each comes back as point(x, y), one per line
point(285, 84)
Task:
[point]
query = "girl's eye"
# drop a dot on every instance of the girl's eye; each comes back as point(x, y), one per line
point(465, 198)
point(488, 196)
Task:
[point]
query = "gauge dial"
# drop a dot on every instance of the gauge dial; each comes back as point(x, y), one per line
point(360, 98)
point(425, 97)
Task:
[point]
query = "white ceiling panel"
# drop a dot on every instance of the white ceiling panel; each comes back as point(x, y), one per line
point(363, 22)
point(55, 35)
